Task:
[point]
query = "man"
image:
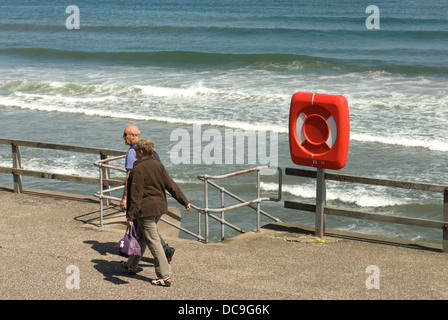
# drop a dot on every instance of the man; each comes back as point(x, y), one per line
point(131, 135)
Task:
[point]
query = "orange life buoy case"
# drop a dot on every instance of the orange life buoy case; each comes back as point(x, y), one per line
point(319, 130)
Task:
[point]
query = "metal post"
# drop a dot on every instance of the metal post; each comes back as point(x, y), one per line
point(16, 164)
point(106, 175)
point(206, 208)
point(199, 224)
point(101, 197)
point(445, 219)
point(222, 215)
point(320, 203)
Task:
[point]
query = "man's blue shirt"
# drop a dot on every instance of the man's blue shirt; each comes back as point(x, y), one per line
point(131, 157)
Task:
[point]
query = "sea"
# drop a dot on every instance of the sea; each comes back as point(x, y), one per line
point(191, 74)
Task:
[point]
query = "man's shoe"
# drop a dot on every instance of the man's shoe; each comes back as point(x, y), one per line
point(124, 264)
point(169, 252)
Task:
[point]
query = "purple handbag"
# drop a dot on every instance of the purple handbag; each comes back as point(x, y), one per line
point(128, 245)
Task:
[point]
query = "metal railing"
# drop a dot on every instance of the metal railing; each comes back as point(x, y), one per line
point(208, 211)
point(108, 185)
point(105, 194)
point(321, 209)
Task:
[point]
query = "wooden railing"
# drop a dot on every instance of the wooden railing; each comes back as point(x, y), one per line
point(321, 209)
point(17, 171)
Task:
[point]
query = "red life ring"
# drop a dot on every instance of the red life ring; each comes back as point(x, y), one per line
point(319, 130)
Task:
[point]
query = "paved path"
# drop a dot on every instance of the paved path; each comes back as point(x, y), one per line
point(46, 236)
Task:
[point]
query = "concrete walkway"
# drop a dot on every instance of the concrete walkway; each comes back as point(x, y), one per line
point(48, 239)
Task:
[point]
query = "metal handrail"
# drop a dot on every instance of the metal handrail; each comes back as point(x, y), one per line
point(207, 211)
point(102, 194)
point(107, 185)
point(102, 164)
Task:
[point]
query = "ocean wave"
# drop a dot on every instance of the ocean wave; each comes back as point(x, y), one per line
point(237, 107)
point(140, 117)
point(29, 27)
point(189, 59)
point(310, 26)
point(428, 143)
point(168, 57)
point(65, 105)
point(361, 198)
point(51, 89)
point(193, 90)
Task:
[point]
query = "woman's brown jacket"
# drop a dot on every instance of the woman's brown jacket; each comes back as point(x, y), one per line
point(146, 195)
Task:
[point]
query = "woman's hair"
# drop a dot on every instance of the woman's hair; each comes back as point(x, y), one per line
point(145, 145)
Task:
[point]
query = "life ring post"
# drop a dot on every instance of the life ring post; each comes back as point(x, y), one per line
point(320, 203)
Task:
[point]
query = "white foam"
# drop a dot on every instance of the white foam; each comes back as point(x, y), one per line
point(61, 168)
point(360, 197)
point(194, 90)
point(369, 227)
point(431, 144)
point(65, 99)
point(75, 105)
point(229, 100)
point(55, 107)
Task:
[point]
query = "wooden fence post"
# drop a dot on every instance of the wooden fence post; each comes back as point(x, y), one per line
point(445, 219)
point(16, 164)
point(106, 176)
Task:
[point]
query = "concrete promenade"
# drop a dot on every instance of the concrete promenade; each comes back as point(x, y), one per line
point(47, 236)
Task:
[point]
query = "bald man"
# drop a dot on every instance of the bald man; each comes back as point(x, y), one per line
point(131, 135)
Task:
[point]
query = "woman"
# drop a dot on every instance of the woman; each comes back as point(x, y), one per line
point(146, 202)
